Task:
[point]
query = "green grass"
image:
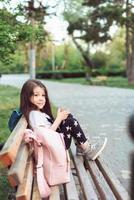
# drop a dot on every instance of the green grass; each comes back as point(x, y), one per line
point(5, 188)
point(73, 80)
point(9, 98)
point(119, 82)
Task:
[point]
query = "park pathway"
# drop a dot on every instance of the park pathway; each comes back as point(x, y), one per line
point(101, 111)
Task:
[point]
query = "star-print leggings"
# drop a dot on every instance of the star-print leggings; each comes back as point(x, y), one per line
point(70, 128)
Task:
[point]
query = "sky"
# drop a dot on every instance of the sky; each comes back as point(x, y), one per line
point(57, 27)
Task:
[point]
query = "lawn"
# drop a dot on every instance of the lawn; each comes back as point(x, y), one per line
point(118, 81)
point(9, 99)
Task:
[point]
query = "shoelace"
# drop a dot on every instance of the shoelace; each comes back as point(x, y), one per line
point(93, 146)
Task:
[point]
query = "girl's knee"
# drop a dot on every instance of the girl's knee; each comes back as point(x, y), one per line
point(70, 119)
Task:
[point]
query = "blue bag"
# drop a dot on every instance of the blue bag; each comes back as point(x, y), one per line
point(14, 118)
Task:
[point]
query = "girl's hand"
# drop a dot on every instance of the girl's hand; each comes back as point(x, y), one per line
point(62, 114)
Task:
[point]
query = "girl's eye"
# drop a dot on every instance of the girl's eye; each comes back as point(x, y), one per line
point(36, 95)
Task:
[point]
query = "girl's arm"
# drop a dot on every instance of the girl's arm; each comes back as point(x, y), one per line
point(61, 115)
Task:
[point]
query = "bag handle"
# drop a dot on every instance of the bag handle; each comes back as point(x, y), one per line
point(30, 137)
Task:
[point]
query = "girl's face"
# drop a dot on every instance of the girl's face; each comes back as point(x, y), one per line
point(38, 97)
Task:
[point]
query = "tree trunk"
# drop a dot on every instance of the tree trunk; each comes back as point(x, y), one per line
point(84, 54)
point(130, 69)
point(129, 47)
point(38, 55)
point(65, 55)
point(32, 55)
point(26, 47)
point(86, 58)
point(32, 60)
point(127, 36)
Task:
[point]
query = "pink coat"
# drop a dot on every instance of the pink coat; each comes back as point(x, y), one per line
point(53, 163)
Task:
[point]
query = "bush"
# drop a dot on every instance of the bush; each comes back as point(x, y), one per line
point(11, 68)
point(109, 72)
point(60, 74)
point(99, 59)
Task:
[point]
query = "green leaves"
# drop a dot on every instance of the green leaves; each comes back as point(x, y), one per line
point(95, 23)
point(17, 26)
point(8, 35)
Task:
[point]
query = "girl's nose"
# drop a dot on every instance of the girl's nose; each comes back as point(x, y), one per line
point(41, 98)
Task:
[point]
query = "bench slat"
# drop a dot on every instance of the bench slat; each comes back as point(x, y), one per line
point(70, 188)
point(9, 152)
point(55, 194)
point(35, 194)
point(83, 176)
point(17, 170)
point(95, 180)
point(99, 181)
point(114, 183)
point(25, 188)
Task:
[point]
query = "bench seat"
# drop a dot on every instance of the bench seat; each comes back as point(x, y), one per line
point(90, 180)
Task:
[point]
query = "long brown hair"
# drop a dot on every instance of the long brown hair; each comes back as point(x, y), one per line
point(26, 105)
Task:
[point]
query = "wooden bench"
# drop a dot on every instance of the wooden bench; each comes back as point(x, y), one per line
point(90, 180)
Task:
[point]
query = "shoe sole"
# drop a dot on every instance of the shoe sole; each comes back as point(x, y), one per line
point(100, 151)
point(79, 154)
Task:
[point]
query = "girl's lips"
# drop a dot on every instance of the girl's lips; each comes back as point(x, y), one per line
point(40, 104)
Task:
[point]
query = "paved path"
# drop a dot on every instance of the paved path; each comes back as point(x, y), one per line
point(102, 111)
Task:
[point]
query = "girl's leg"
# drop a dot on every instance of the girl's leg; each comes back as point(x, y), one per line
point(71, 128)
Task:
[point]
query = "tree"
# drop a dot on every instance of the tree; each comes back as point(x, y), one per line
point(30, 31)
point(129, 22)
point(116, 51)
point(92, 20)
point(34, 17)
point(95, 24)
point(9, 28)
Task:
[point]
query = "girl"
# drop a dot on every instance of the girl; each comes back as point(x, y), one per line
point(35, 106)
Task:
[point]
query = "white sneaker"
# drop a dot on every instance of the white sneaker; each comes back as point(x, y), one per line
point(94, 150)
point(79, 151)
